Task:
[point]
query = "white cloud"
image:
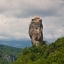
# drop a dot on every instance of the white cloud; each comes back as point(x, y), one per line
point(53, 27)
point(15, 16)
point(14, 27)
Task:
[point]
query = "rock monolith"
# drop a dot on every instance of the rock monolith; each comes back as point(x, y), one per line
point(36, 31)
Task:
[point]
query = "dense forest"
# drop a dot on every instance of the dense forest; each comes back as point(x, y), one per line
point(45, 54)
point(8, 54)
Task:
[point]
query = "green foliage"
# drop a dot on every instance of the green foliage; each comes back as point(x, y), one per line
point(5, 50)
point(8, 49)
point(45, 54)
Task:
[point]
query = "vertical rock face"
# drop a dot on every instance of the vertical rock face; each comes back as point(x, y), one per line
point(35, 31)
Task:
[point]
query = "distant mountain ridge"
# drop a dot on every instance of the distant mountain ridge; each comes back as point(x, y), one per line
point(16, 43)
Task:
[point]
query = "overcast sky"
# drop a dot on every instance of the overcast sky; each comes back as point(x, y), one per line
point(16, 15)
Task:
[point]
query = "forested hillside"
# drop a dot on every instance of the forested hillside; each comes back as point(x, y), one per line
point(45, 54)
point(8, 54)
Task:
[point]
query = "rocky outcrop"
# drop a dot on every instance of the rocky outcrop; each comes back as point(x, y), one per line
point(35, 31)
point(10, 57)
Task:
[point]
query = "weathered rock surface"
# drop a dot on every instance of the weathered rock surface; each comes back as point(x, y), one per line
point(10, 57)
point(35, 31)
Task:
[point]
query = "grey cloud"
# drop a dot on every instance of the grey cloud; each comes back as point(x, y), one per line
point(30, 8)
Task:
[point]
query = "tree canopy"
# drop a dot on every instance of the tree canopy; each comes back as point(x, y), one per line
point(45, 54)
